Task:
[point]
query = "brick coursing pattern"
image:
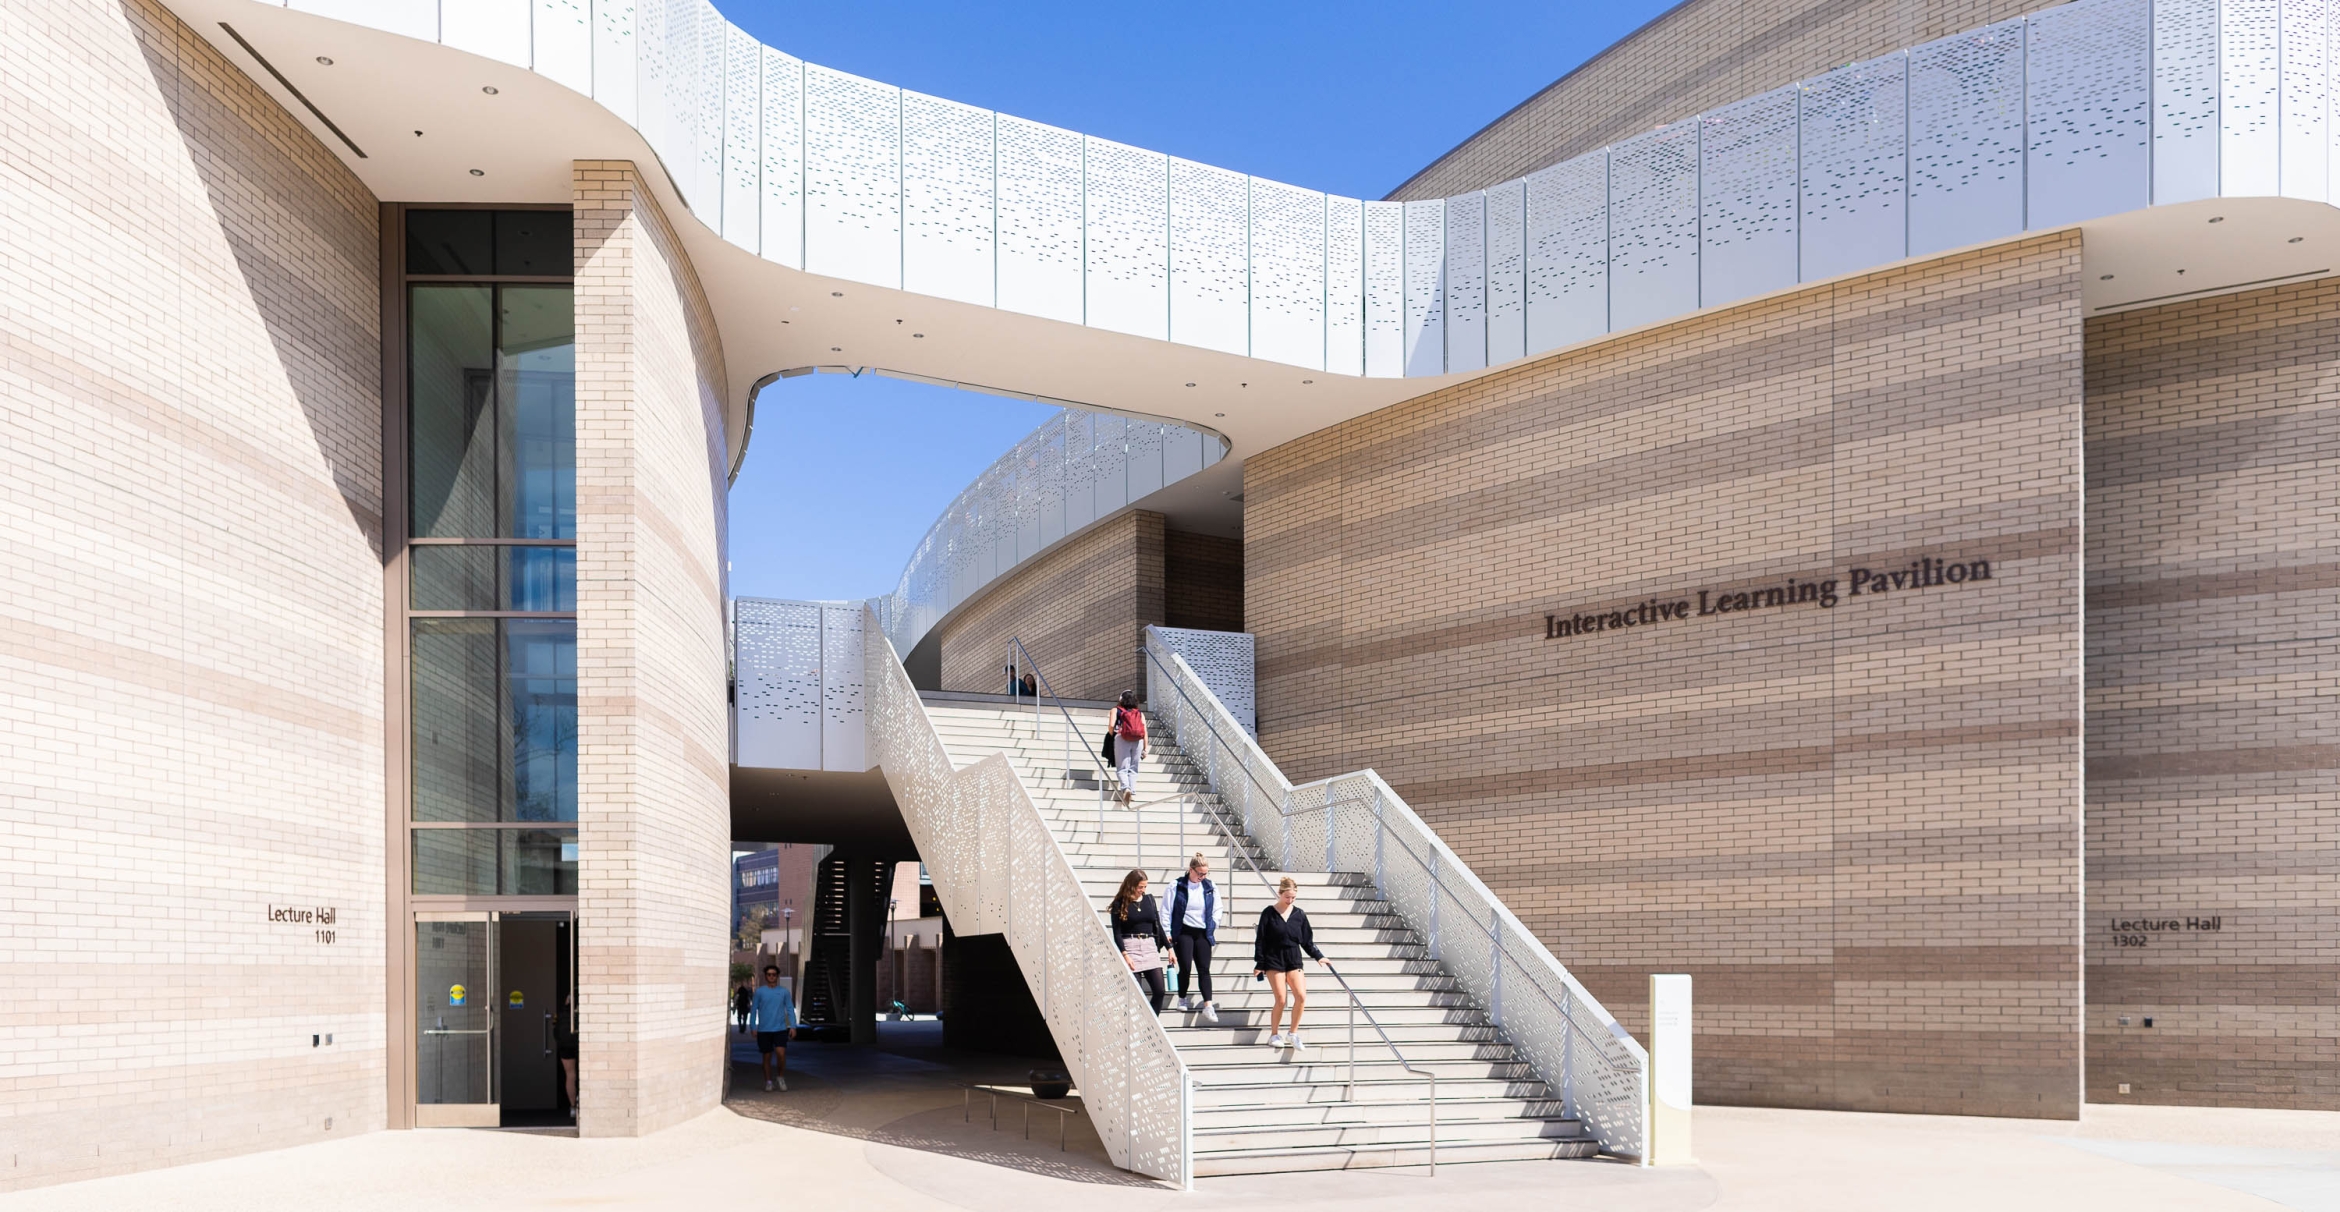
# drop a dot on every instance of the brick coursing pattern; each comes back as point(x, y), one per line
point(2214, 700)
point(1858, 827)
point(1202, 581)
point(1699, 55)
point(654, 808)
point(1081, 608)
point(191, 641)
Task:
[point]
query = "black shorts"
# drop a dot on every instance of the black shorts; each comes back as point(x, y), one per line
point(1288, 961)
point(771, 1041)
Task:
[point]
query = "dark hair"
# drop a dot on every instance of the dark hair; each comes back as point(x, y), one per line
point(1123, 899)
point(771, 967)
point(1129, 698)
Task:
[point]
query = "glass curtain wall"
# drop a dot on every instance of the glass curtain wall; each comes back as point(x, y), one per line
point(492, 608)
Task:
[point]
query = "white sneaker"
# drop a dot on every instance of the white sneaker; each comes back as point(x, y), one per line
point(767, 1085)
point(782, 1080)
point(1275, 1041)
point(1185, 1005)
point(1210, 1012)
point(1293, 1042)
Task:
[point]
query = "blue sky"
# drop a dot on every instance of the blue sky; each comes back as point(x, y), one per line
point(844, 475)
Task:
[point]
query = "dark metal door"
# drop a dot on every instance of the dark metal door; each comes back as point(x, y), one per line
point(528, 996)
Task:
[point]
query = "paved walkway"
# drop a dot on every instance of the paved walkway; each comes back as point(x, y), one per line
point(884, 1129)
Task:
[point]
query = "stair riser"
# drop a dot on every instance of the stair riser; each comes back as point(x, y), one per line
point(1384, 1157)
point(1450, 1110)
point(1316, 1071)
point(1365, 1135)
point(1301, 1097)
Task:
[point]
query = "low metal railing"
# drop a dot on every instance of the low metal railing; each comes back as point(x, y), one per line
point(1355, 822)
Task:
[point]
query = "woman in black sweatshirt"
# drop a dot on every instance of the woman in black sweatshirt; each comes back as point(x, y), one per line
point(1276, 947)
point(1137, 930)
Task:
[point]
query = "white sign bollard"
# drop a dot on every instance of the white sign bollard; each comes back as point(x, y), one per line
point(1669, 1070)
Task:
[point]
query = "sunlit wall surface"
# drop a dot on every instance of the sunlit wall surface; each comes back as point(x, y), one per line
point(2088, 109)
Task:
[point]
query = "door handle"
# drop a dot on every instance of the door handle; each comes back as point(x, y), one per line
point(548, 1033)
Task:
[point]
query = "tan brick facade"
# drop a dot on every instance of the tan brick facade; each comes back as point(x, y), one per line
point(654, 808)
point(1080, 607)
point(1700, 54)
point(1202, 579)
point(1858, 826)
point(2214, 701)
point(191, 642)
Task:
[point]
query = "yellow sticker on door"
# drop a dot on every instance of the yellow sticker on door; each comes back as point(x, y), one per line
point(456, 994)
point(514, 1001)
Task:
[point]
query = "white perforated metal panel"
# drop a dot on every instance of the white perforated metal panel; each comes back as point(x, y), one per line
point(1287, 274)
point(1182, 453)
point(413, 18)
point(2089, 110)
point(1506, 272)
point(1855, 168)
point(1223, 660)
point(666, 34)
point(1144, 445)
point(707, 79)
point(776, 661)
point(616, 75)
point(1344, 286)
point(497, 29)
point(564, 43)
point(1128, 239)
point(1747, 220)
point(2306, 98)
point(743, 152)
point(782, 183)
point(2249, 98)
point(1425, 287)
point(852, 177)
point(1653, 225)
point(1210, 271)
point(2185, 100)
point(1385, 289)
point(844, 743)
point(1966, 139)
point(946, 199)
point(1039, 220)
point(1568, 252)
point(1466, 282)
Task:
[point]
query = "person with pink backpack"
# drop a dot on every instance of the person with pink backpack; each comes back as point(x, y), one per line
point(1129, 743)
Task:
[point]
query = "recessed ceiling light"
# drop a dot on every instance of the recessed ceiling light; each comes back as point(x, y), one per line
point(478, 172)
point(489, 89)
point(917, 334)
point(2104, 277)
point(2295, 239)
point(1218, 414)
point(324, 60)
point(2218, 218)
point(836, 294)
point(1307, 381)
point(1190, 385)
point(836, 349)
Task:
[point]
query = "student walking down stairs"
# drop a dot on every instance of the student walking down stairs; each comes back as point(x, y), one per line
point(1282, 937)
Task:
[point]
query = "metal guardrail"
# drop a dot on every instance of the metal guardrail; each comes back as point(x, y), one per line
point(1355, 822)
point(999, 868)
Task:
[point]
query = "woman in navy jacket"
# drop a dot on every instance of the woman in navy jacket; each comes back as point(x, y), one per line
point(1194, 929)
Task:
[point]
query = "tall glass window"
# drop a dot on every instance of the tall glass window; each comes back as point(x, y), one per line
point(492, 561)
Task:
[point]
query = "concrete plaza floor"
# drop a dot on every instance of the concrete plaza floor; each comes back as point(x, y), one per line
point(887, 1128)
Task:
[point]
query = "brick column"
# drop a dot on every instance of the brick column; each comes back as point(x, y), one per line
point(654, 816)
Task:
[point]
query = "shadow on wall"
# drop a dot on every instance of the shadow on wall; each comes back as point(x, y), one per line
point(330, 354)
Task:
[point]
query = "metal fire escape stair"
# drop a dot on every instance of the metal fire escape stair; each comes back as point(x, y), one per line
point(1257, 1109)
point(827, 995)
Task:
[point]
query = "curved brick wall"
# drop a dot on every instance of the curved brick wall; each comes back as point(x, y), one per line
point(1857, 826)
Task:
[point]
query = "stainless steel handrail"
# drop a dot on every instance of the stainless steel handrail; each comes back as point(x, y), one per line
point(1072, 729)
point(1285, 811)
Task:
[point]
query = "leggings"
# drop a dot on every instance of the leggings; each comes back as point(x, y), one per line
point(1194, 960)
point(1150, 980)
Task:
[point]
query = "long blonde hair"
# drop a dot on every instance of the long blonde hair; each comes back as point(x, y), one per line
point(1123, 899)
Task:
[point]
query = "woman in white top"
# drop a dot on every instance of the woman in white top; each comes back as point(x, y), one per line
point(1194, 930)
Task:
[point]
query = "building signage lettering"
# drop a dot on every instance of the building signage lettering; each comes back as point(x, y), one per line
point(1923, 573)
point(2134, 931)
point(318, 918)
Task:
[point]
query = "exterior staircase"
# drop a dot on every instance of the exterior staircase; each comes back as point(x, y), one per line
point(1257, 1109)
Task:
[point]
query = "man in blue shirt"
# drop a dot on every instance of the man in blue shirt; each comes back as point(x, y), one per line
point(775, 1021)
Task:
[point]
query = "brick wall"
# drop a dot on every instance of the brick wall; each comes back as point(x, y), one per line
point(1202, 578)
point(1700, 54)
point(654, 810)
point(1080, 607)
point(191, 641)
point(1858, 827)
point(2214, 701)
